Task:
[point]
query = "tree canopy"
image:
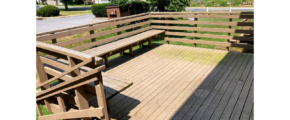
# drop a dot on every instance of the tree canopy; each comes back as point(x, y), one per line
point(168, 5)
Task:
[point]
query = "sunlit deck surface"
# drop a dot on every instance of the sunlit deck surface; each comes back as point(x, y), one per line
point(179, 82)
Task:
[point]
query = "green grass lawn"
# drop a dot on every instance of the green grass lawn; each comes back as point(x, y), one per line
point(154, 41)
point(73, 12)
point(78, 5)
point(43, 109)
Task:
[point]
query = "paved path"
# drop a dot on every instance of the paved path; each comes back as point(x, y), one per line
point(72, 7)
point(60, 23)
point(193, 9)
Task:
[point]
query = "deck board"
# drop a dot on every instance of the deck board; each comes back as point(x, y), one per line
point(179, 82)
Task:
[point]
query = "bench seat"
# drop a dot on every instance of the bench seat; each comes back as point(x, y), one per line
point(104, 50)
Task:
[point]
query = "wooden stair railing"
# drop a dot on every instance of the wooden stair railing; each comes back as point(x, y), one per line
point(54, 97)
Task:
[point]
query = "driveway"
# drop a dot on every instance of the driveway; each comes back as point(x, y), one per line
point(200, 9)
point(60, 23)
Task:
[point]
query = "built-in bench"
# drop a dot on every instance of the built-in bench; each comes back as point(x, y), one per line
point(119, 46)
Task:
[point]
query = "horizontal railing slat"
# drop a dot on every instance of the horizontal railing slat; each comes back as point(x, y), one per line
point(73, 83)
point(93, 112)
point(210, 36)
point(81, 30)
point(209, 42)
point(204, 29)
point(64, 51)
point(101, 34)
point(164, 13)
point(107, 40)
point(203, 16)
point(204, 22)
point(81, 26)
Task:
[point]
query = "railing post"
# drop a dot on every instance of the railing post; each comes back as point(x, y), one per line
point(229, 34)
point(81, 96)
point(119, 33)
point(167, 30)
point(53, 40)
point(92, 32)
point(101, 97)
point(195, 25)
point(42, 78)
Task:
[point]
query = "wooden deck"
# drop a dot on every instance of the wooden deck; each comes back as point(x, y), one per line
point(178, 82)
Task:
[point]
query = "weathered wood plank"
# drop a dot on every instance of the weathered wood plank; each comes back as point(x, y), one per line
point(203, 29)
point(203, 16)
point(203, 22)
point(95, 112)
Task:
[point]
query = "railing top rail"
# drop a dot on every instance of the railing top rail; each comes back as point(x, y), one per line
point(203, 12)
point(87, 25)
point(66, 51)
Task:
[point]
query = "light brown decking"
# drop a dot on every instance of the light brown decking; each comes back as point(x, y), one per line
point(178, 82)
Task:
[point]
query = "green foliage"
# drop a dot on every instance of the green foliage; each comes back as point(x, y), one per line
point(178, 5)
point(36, 12)
point(193, 4)
point(48, 11)
point(137, 7)
point(121, 3)
point(158, 5)
point(37, 2)
point(69, 2)
point(223, 3)
point(236, 2)
point(99, 10)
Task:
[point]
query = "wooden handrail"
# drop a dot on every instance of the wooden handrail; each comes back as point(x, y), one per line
point(81, 26)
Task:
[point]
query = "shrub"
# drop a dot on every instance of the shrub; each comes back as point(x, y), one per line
point(48, 11)
point(137, 7)
point(99, 10)
point(223, 3)
point(193, 4)
point(36, 12)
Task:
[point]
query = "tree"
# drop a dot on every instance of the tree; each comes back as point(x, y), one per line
point(121, 3)
point(171, 5)
point(178, 5)
point(158, 5)
point(66, 2)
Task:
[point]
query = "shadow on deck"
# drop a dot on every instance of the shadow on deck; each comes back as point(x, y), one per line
point(178, 82)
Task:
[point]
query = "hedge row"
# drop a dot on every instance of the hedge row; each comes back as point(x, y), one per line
point(136, 7)
point(47, 11)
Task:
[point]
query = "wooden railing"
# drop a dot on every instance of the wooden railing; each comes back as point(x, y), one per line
point(76, 60)
point(47, 72)
point(177, 27)
point(135, 21)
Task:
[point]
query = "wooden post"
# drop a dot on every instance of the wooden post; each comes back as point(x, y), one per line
point(119, 33)
point(61, 102)
point(106, 58)
point(38, 109)
point(53, 40)
point(167, 30)
point(81, 96)
point(150, 42)
point(229, 34)
point(92, 32)
point(195, 25)
point(101, 97)
point(131, 50)
point(42, 78)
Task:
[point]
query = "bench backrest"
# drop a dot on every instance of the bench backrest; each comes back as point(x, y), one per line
point(201, 32)
point(47, 72)
point(106, 28)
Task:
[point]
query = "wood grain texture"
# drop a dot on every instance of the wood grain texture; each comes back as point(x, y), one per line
point(203, 22)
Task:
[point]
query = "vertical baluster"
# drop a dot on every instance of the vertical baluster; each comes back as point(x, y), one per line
point(42, 78)
point(81, 96)
point(195, 25)
point(38, 109)
point(99, 86)
point(167, 30)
